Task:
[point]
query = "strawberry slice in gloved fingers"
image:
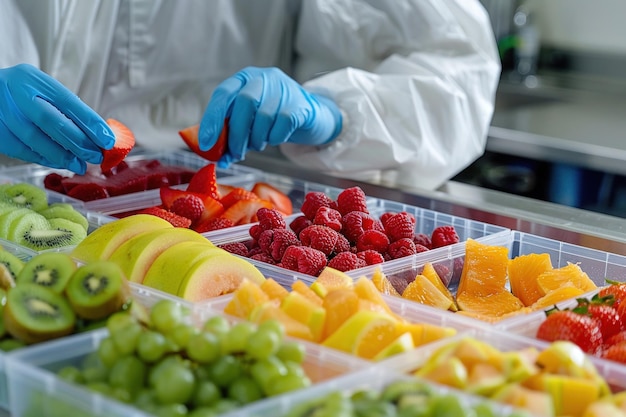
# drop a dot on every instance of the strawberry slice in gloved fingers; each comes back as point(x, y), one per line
point(190, 137)
point(124, 143)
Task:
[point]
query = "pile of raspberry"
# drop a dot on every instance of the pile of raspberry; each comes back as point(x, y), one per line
point(340, 233)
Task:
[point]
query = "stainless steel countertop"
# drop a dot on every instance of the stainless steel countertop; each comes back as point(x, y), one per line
point(571, 119)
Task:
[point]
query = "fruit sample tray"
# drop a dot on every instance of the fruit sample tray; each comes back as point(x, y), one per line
point(36, 174)
point(34, 386)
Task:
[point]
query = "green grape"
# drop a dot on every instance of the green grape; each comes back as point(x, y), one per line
point(175, 384)
point(263, 343)
point(374, 409)
point(206, 394)
point(245, 390)
point(225, 405)
point(119, 320)
point(126, 338)
point(154, 372)
point(448, 405)
point(100, 387)
point(266, 370)
point(236, 339)
point(166, 315)
point(121, 394)
point(151, 346)
point(202, 412)
point(71, 374)
point(273, 325)
point(128, 373)
point(285, 383)
point(145, 399)
point(294, 368)
point(204, 347)
point(10, 344)
point(181, 334)
point(107, 352)
point(217, 325)
point(95, 373)
point(225, 370)
point(484, 410)
point(293, 351)
point(171, 410)
point(364, 395)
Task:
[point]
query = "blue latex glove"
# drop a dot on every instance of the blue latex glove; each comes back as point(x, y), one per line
point(266, 107)
point(43, 122)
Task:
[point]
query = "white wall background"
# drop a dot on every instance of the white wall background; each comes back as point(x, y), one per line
point(582, 25)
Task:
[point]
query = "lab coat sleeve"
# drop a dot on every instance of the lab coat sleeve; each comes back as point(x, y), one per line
point(16, 42)
point(415, 82)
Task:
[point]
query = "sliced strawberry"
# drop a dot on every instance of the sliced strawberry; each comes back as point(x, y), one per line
point(54, 182)
point(224, 189)
point(88, 192)
point(190, 137)
point(212, 224)
point(173, 218)
point(204, 181)
point(238, 194)
point(244, 211)
point(268, 192)
point(124, 142)
point(212, 209)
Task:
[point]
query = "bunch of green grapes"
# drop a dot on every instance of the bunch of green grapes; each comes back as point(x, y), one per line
point(403, 398)
point(168, 367)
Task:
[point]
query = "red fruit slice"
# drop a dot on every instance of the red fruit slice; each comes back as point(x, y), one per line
point(272, 194)
point(88, 192)
point(244, 211)
point(190, 137)
point(204, 181)
point(238, 194)
point(173, 218)
point(212, 210)
point(124, 142)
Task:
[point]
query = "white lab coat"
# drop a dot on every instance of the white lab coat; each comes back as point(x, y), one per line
point(415, 79)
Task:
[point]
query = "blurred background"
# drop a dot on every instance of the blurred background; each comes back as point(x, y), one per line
point(559, 130)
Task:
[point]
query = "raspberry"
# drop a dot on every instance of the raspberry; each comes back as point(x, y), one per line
point(263, 257)
point(238, 248)
point(443, 236)
point(313, 201)
point(189, 206)
point(304, 259)
point(422, 239)
point(357, 222)
point(445, 275)
point(342, 244)
point(173, 218)
point(213, 224)
point(299, 223)
point(346, 261)
point(385, 216)
point(371, 257)
point(400, 225)
point(401, 248)
point(326, 216)
point(352, 199)
point(270, 219)
point(255, 231)
point(420, 248)
point(374, 240)
point(54, 182)
point(274, 242)
point(319, 237)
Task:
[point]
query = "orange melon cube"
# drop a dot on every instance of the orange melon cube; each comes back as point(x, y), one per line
point(523, 272)
point(245, 298)
point(302, 288)
point(293, 327)
point(330, 279)
point(306, 312)
point(273, 289)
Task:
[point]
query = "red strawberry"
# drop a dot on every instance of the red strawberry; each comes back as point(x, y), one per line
point(212, 210)
point(617, 289)
point(616, 353)
point(244, 211)
point(124, 142)
point(570, 326)
point(169, 195)
point(601, 309)
point(190, 137)
point(236, 195)
point(173, 218)
point(54, 182)
point(268, 192)
point(212, 224)
point(204, 181)
point(88, 192)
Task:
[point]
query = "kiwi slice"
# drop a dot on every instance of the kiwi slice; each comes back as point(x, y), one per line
point(7, 218)
point(6, 207)
point(97, 289)
point(10, 267)
point(49, 269)
point(35, 314)
point(65, 211)
point(60, 233)
point(25, 222)
point(25, 195)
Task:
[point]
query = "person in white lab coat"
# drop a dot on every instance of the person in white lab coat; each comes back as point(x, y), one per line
point(375, 90)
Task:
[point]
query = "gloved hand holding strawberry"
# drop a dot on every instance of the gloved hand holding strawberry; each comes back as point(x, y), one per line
point(43, 122)
point(263, 107)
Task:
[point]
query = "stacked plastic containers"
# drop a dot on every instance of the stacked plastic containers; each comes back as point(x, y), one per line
point(29, 372)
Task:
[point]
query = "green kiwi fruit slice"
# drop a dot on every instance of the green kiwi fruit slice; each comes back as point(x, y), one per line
point(60, 233)
point(7, 218)
point(34, 314)
point(25, 195)
point(25, 222)
point(10, 266)
point(49, 269)
point(97, 289)
point(6, 207)
point(65, 211)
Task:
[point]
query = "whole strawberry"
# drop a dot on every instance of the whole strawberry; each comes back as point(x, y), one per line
point(616, 353)
point(601, 309)
point(570, 326)
point(617, 289)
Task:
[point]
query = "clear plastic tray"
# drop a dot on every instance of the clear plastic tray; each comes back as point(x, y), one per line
point(32, 382)
point(35, 174)
point(142, 295)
